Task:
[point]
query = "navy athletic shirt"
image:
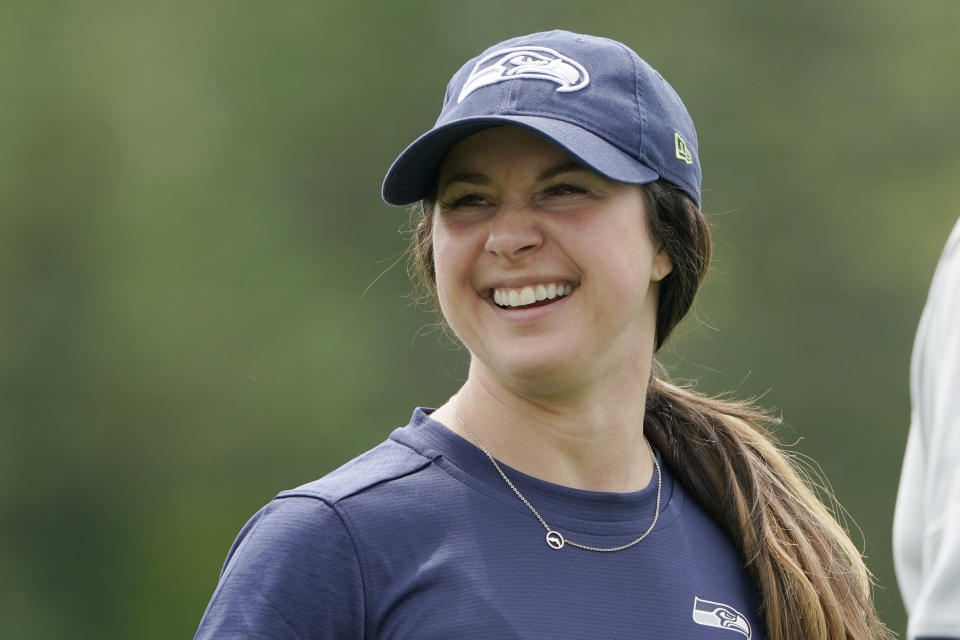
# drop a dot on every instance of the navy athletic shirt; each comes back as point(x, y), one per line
point(421, 538)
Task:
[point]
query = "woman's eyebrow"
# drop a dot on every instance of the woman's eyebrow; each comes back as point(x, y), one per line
point(483, 179)
point(470, 178)
point(563, 167)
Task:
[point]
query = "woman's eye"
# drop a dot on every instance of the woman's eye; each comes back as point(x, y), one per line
point(565, 189)
point(465, 201)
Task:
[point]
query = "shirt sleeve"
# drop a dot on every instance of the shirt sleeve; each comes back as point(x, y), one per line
point(292, 573)
point(928, 519)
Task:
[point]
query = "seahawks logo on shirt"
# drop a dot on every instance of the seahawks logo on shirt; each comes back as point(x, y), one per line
point(721, 616)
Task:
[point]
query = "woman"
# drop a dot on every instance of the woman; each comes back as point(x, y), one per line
point(565, 491)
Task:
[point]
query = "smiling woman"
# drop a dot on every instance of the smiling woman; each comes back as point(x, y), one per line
point(566, 490)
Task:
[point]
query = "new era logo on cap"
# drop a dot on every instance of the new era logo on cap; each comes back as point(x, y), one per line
point(680, 148)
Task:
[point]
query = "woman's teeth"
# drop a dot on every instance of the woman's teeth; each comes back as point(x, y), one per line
point(529, 295)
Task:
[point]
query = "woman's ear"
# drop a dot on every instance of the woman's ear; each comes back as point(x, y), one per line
point(662, 265)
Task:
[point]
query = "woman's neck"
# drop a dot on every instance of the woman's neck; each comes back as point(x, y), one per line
point(590, 440)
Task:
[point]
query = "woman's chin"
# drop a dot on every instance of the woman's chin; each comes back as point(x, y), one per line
point(545, 374)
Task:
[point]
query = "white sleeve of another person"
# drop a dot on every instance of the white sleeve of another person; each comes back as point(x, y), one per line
point(927, 522)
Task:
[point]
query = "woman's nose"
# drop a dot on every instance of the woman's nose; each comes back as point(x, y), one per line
point(514, 233)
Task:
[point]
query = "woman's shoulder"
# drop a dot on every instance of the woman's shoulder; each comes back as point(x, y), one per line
point(383, 475)
point(293, 545)
point(312, 513)
point(388, 461)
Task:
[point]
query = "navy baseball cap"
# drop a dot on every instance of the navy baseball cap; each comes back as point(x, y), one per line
point(592, 97)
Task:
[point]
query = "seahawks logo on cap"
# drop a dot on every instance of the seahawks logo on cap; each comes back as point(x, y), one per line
point(526, 63)
point(720, 616)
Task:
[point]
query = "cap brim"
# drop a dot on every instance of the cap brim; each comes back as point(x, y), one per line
point(412, 175)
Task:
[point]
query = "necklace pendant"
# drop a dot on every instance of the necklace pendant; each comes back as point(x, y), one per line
point(555, 540)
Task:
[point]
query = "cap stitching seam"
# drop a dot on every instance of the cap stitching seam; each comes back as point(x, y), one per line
point(639, 140)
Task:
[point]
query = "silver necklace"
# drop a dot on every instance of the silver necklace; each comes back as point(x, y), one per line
point(554, 538)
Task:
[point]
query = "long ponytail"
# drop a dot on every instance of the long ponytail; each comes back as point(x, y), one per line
point(812, 580)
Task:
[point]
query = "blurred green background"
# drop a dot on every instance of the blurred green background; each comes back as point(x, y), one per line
point(190, 224)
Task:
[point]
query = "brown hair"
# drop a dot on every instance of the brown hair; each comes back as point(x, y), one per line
point(811, 578)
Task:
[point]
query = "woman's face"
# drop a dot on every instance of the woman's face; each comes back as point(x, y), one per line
point(545, 270)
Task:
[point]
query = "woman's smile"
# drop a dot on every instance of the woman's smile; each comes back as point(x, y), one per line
point(524, 305)
point(523, 297)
